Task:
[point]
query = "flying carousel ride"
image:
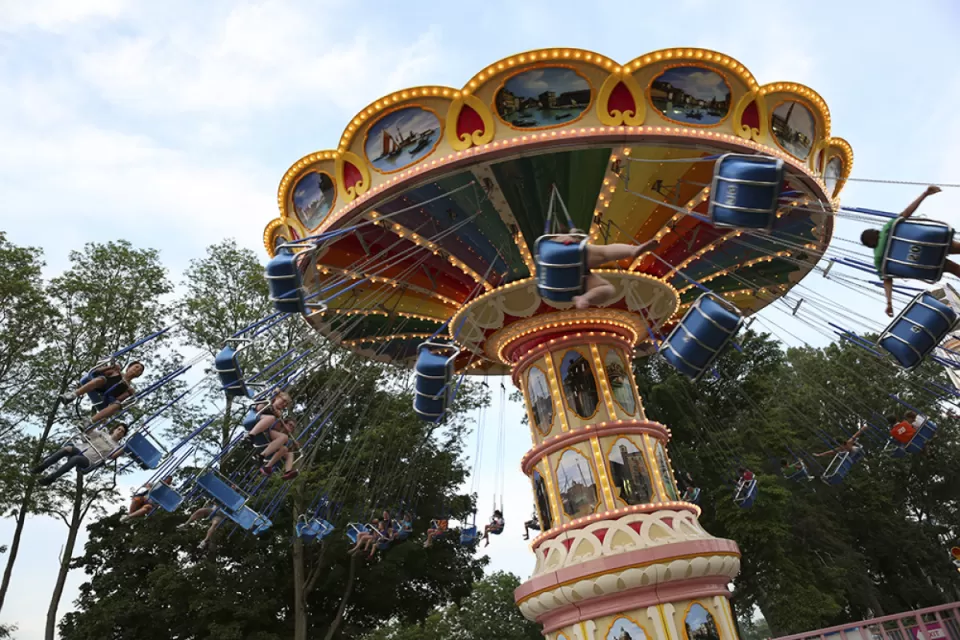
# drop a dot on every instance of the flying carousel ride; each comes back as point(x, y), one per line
point(558, 216)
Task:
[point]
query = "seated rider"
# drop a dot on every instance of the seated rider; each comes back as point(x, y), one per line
point(790, 469)
point(903, 431)
point(596, 289)
point(97, 445)
point(745, 475)
point(437, 528)
point(851, 445)
point(877, 240)
point(406, 524)
point(274, 434)
point(140, 504)
point(114, 387)
point(532, 523)
point(495, 527)
point(215, 514)
point(368, 540)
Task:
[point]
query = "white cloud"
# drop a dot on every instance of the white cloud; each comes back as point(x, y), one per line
point(53, 15)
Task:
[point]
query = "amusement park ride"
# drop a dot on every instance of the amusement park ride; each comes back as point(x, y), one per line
point(454, 187)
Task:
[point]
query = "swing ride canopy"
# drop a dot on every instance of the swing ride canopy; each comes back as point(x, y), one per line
point(446, 191)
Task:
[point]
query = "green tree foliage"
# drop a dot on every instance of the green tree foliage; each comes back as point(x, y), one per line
point(489, 613)
point(816, 555)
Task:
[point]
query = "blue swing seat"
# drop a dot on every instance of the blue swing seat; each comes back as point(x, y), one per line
point(221, 492)
point(165, 497)
point(139, 447)
point(354, 529)
point(840, 466)
point(692, 496)
point(800, 474)
point(469, 536)
point(894, 449)
point(400, 532)
point(918, 329)
point(746, 493)
point(286, 284)
point(561, 268)
point(227, 364)
point(745, 191)
point(433, 391)
point(916, 249)
point(249, 520)
point(924, 433)
point(313, 530)
point(707, 328)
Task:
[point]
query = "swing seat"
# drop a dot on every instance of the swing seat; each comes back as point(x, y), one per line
point(165, 496)
point(746, 493)
point(433, 390)
point(561, 268)
point(313, 530)
point(469, 536)
point(227, 364)
point(400, 532)
point(354, 529)
point(799, 475)
point(248, 519)
point(261, 440)
point(918, 329)
point(707, 328)
point(286, 286)
point(916, 249)
point(496, 532)
point(139, 447)
point(692, 496)
point(924, 433)
point(894, 449)
point(840, 466)
point(221, 492)
point(745, 191)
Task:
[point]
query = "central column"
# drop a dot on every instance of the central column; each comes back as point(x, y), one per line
point(620, 556)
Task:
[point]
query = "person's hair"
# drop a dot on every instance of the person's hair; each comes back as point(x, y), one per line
point(497, 513)
point(168, 478)
point(891, 420)
point(870, 237)
point(576, 231)
point(910, 415)
point(741, 469)
point(783, 461)
point(120, 425)
point(284, 395)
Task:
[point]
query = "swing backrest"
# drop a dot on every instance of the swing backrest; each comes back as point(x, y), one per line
point(469, 536)
point(746, 493)
point(165, 496)
point(916, 249)
point(708, 327)
point(227, 364)
point(353, 531)
point(222, 493)
point(745, 191)
point(139, 447)
point(925, 432)
point(434, 387)
point(918, 329)
point(286, 283)
point(561, 268)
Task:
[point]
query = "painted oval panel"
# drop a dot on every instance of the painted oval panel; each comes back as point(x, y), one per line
point(313, 198)
point(402, 138)
point(794, 128)
point(543, 97)
point(578, 487)
point(541, 402)
point(700, 624)
point(691, 95)
point(831, 177)
point(579, 384)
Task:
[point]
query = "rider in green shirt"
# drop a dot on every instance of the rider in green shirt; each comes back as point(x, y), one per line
point(877, 239)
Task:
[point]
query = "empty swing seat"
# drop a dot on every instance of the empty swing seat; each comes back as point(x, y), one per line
point(249, 520)
point(139, 447)
point(313, 529)
point(746, 493)
point(286, 285)
point(469, 536)
point(165, 496)
point(227, 364)
point(705, 331)
point(840, 466)
point(354, 529)
point(917, 330)
point(916, 249)
point(561, 268)
point(924, 433)
point(214, 486)
point(433, 391)
point(745, 191)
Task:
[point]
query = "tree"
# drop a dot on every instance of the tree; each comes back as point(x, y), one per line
point(108, 298)
point(488, 613)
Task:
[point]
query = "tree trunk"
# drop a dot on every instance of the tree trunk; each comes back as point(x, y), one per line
point(76, 519)
point(27, 501)
point(299, 593)
point(335, 625)
point(225, 425)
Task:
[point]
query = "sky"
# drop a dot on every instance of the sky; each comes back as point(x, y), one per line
point(170, 125)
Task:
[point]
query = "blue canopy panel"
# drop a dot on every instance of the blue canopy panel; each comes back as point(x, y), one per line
point(561, 268)
point(222, 493)
point(139, 447)
point(917, 330)
point(745, 191)
point(433, 391)
point(707, 328)
point(916, 249)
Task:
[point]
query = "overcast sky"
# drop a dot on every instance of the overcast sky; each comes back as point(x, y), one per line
point(171, 123)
